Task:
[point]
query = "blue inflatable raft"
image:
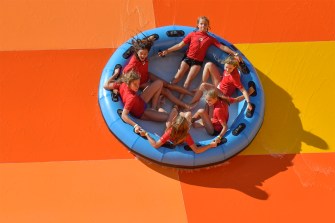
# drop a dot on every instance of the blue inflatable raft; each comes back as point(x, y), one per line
point(242, 127)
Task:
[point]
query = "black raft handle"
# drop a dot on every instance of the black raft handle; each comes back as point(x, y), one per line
point(114, 95)
point(239, 129)
point(169, 145)
point(175, 33)
point(155, 37)
point(128, 52)
point(118, 66)
point(188, 148)
point(119, 112)
point(252, 84)
point(250, 113)
point(243, 67)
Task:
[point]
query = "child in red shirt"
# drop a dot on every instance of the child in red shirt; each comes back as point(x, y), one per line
point(177, 132)
point(199, 41)
point(139, 63)
point(135, 104)
point(226, 85)
point(215, 115)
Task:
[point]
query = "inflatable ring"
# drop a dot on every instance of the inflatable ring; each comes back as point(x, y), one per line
point(243, 126)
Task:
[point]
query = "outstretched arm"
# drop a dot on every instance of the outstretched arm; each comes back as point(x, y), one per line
point(159, 143)
point(202, 149)
point(231, 52)
point(155, 144)
point(171, 49)
point(245, 95)
point(125, 117)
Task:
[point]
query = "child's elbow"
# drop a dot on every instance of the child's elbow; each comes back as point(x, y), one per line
point(106, 86)
point(156, 145)
point(124, 118)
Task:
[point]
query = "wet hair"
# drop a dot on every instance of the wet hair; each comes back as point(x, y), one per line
point(130, 77)
point(180, 128)
point(204, 18)
point(142, 44)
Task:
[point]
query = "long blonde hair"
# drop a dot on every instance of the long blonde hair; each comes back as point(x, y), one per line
point(179, 129)
point(213, 93)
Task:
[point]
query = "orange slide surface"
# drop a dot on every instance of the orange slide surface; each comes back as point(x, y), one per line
point(60, 163)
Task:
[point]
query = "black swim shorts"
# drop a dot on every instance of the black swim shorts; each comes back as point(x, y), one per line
point(192, 62)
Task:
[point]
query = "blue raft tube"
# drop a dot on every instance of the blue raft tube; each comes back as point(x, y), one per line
point(243, 127)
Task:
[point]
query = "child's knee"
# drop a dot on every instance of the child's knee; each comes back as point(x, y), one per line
point(158, 83)
point(201, 111)
point(208, 65)
point(203, 86)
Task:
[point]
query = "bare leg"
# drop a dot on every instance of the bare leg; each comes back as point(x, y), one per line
point(179, 89)
point(206, 120)
point(211, 70)
point(152, 92)
point(180, 73)
point(191, 75)
point(241, 97)
point(172, 87)
point(198, 94)
point(174, 99)
point(153, 115)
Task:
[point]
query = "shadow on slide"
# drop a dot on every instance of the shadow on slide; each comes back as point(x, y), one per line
point(279, 138)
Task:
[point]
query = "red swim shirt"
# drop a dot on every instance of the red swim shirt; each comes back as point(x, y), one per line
point(230, 82)
point(199, 43)
point(132, 102)
point(142, 68)
point(167, 136)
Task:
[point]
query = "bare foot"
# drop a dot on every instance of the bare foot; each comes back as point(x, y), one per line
point(162, 110)
point(190, 107)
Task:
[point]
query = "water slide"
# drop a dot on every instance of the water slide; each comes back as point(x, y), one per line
point(60, 163)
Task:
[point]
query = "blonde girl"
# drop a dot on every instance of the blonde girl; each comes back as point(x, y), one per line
point(225, 85)
point(137, 105)
point(177, 132)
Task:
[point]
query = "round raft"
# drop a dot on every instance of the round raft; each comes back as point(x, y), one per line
point(243, 126)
